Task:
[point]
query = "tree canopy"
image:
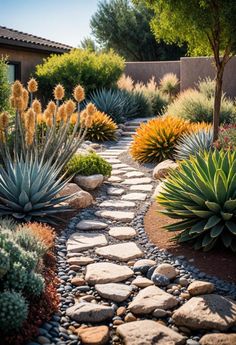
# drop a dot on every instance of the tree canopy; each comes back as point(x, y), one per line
point(124, 27)
point(207, 26)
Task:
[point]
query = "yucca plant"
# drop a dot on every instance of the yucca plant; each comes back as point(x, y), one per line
point(201, 194)
point(193, 143)
point(102, 128)
point(155, 140)
point(29, 188)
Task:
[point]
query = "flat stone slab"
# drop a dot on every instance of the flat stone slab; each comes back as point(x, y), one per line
point(135, 181)
point(134, 173)
point(122, 251)
point(93, 335)
point(114, 291)
point(142, 187)
point(119, 165)
point(151, 298)
point(117, 204)
point(89, 312)
point(115, 179)
point(91, 224)
point(115, 191)
point(80, 260)
point(206, 312)
point(147, 332)
point(113, 160)
point(117, 172)
point(107, 272)
point(122, 216)
point(79, 242)
point(134, 196)
point(142, 282)
point(122, 232)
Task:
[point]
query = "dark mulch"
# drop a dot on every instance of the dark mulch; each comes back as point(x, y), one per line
point(219, 262)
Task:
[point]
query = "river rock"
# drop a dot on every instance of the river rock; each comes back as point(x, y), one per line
point(94, 335)
point(107, 272)
point(91, 224)
point(142, 282)
point(200, 288)
point(143, 265)
point(151, 298)
point(206, 312)
point(114, 291)
point(166, 270)
point(89, 182)
point(89, 312)
point(147, 332)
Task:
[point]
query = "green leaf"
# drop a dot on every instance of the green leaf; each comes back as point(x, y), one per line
point(220, 186)
point(214, 207)
point(230, 205)
point(23, 198)
point(227, 239)
point(217, 230)
point(226, 216)
point(198, 227)
point(212, 221)
point(202, 213)
point(231, 226)
point(207, 239)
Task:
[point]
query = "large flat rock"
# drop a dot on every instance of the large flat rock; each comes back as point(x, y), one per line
point(79, 242)
point(115, 191)
point(114, 291)
point(107, 272)
point(122, 251)
point(91, 224)
point(122, 232)
point(151, 298)
point(134, 173)
point(117, 204)
point(218, 339)
point(148, 332)
point(207, 312)
point(123, 216)
point(134, 196)
point(135, 181)
point(89, 312)
point(142, 187)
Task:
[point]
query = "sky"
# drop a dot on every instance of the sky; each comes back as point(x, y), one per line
point(64, 21)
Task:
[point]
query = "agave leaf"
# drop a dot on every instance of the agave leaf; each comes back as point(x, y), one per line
point(210, 245)
point(11, 204)
point(220, 185)
point(28, 207)
point(23, 198)
point(207, 239)
point(226, 216)
point(18, 215)
point(198, 227)
point(230, 205)
point(217, 230)
point(212, 221)
point(231, 226)
point(231, 187)
point(198, 244)
point(233, 246)
point(182, 225)
point(212, 206)
point(202, 213)
point(226, 238)
point(197, 199)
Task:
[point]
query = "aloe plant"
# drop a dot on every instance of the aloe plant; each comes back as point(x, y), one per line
point(192, 143)
point(201, 194)
point(29, 188)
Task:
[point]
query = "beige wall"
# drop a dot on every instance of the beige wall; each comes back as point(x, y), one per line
point(27, 59)
point(188, 70)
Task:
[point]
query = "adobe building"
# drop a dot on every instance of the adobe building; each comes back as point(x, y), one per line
point(25, 51)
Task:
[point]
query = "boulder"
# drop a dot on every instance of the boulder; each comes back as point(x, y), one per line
point(148, 332)
point(151, 298)
point(206, 312)
point(162, 169)
point(218, 339)
point(89, 312)
point(158, 189)
point(114, 291)
point(81, 199)
point(200, 288)
point(70, 188)
point(94, 335)
point(89, 182)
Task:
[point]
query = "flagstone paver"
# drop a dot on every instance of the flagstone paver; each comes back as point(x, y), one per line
point(134, 173)
point(115, 191)
point(79, 242)
point(135, 181)
point(122, 216)
point(91, 224)
point(107, 272)
point(122, 232)
point(118, 204)
point(142, 187)
point(121, 252)
point(134, 196)
point(114, 291)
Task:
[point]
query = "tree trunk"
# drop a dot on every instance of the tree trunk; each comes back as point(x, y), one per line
point(217, 101)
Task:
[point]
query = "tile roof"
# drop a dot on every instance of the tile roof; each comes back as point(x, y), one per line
point(15, 37)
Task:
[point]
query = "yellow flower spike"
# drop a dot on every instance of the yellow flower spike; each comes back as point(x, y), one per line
point(70, 107)
point(78, 93)
point(37, 107)
point(12, 102)
point(4, 120)
point(19, 104)
point(51, 107)
point(88, 121)
point(40, 118)
point(91, 109)
point(25, 96)
point(32, 85)
point(17, 89)
point(61, 113)
point(59, 92)
point(29, 138)
point(73, 118)
point(49, 122)
point(2, 136)
point(83, 116)
point(30, 121)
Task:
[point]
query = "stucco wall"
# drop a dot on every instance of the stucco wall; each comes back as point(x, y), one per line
point(188, 70)
point(27, 59)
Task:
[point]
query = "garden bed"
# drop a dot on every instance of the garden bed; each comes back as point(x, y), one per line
point(218, 262)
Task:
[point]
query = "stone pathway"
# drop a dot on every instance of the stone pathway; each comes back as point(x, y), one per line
point(118, 288)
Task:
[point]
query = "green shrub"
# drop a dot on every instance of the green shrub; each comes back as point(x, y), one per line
point(158, 101)
point(88, 164)
point(207, 87)
point(201, 195)
point(191, 143)
point(35, 284)
point(90, 69)
point(4, 262)
point(5, 88)
point(195, 106)
point(29, 241)
point(227, 138)
point(13, 311)
point(169, 85)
